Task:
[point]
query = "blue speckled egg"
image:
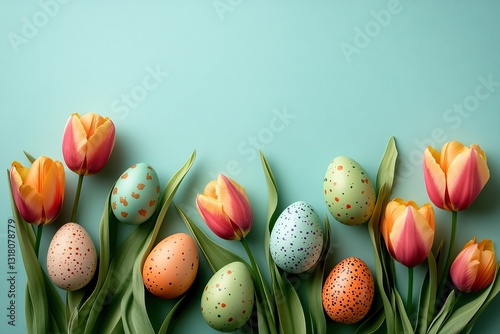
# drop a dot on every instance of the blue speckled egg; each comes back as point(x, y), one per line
point(136, 194)
point(228, 298)
point(349, 193)
point(296, 238)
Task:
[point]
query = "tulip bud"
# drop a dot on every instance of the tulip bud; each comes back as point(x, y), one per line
point(456, 176)
point(38, 191)
point(225, 208)
point(87, 143)
point(408, 231)
point(475, 266)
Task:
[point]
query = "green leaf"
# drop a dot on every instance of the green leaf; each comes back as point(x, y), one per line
point(428, 296)
point(402, 315)
point(29, 157)
point(442, 315)
point(134, 313)
point(37, 305)
point(373, 323)
point(314, 286)
point(387, 167)
point(217, 256)
point(290, 311)
point(170, 316)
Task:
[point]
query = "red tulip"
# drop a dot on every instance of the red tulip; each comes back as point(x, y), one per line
point(456, 176)
point(225, 208)
point(408, 231)
point(87, 143)
point(38, 190)
point(475, 266)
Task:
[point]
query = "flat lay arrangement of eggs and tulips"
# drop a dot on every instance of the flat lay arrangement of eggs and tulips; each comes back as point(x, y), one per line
point(106, 290)
point(231, 166)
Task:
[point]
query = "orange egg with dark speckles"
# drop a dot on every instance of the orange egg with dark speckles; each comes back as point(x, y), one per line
point(171, 267)
point(348, 291)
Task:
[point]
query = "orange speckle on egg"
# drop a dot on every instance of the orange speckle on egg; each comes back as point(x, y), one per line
point(152, 203)
point(348, 291)
point(123, 201)
point(115, 190)
point(140, 186)
point(124, 214)
point(113, 205)
point(142, 212)
point(135, 195)
point(124, 176)
point(148, 176)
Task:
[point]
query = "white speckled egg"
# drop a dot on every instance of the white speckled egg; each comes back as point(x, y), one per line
point(171, 266)
point(296, 239)
point(71, 258)
point(228, 298)
point(135, 194)
point(349, 193)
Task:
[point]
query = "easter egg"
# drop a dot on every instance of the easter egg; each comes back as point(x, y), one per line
point(349, 193)
point(171, 267)
point(228, 298)
point(135, 195)
point(296, 238)
point(71, 258)
point(348, 291)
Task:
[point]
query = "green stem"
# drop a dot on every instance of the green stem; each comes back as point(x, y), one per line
point(39, 231)
point(260, 286)
point(410, 291)
point(77, 198)
point(450, 251)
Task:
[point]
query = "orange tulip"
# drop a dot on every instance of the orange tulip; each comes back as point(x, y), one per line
point(408, 231)
point(456, 176)
point(225, 208)
point(87, 143)
point(38, 190)
point(475, 266)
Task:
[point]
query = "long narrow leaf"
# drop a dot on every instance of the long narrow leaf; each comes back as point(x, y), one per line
point(403, 316)
point(134, 312)
point(373, 323)
point(38, 307)
point(443, 314)
point(428, 296)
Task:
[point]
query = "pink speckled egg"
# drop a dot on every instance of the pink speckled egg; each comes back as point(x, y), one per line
point(72, 257)
point(171, 266)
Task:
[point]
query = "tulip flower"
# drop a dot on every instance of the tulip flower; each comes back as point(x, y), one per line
point(456, 176)
point(408, 231)
point(475, 266)
point(38, 191)
point(225, 208)
point(87, 143)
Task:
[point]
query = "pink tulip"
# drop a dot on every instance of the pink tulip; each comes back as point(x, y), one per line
point(456, 176)
point(408, 231)
point(38, 191)
point(87, 143)
point(474, 267)
point(225, 208)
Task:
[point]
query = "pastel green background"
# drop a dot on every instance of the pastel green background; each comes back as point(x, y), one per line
point(302, 81)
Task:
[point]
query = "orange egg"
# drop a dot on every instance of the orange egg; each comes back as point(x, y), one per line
point(171, 267)
point(348, 291)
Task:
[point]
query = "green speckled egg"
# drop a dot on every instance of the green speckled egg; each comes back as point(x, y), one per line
point(349, 193)
point(136, 194)
point(228, 298)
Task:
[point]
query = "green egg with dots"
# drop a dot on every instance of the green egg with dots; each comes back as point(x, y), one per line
point(228, 298)
point(349, 193)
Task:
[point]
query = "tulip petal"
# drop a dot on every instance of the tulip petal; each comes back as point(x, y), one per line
point(235, 202)
point(212, 213)
point(435, 179)
point(74, 145)
point(464, 269)
point(467, 175)
point(411, 238)
point(99, 147)
point(486, 270)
